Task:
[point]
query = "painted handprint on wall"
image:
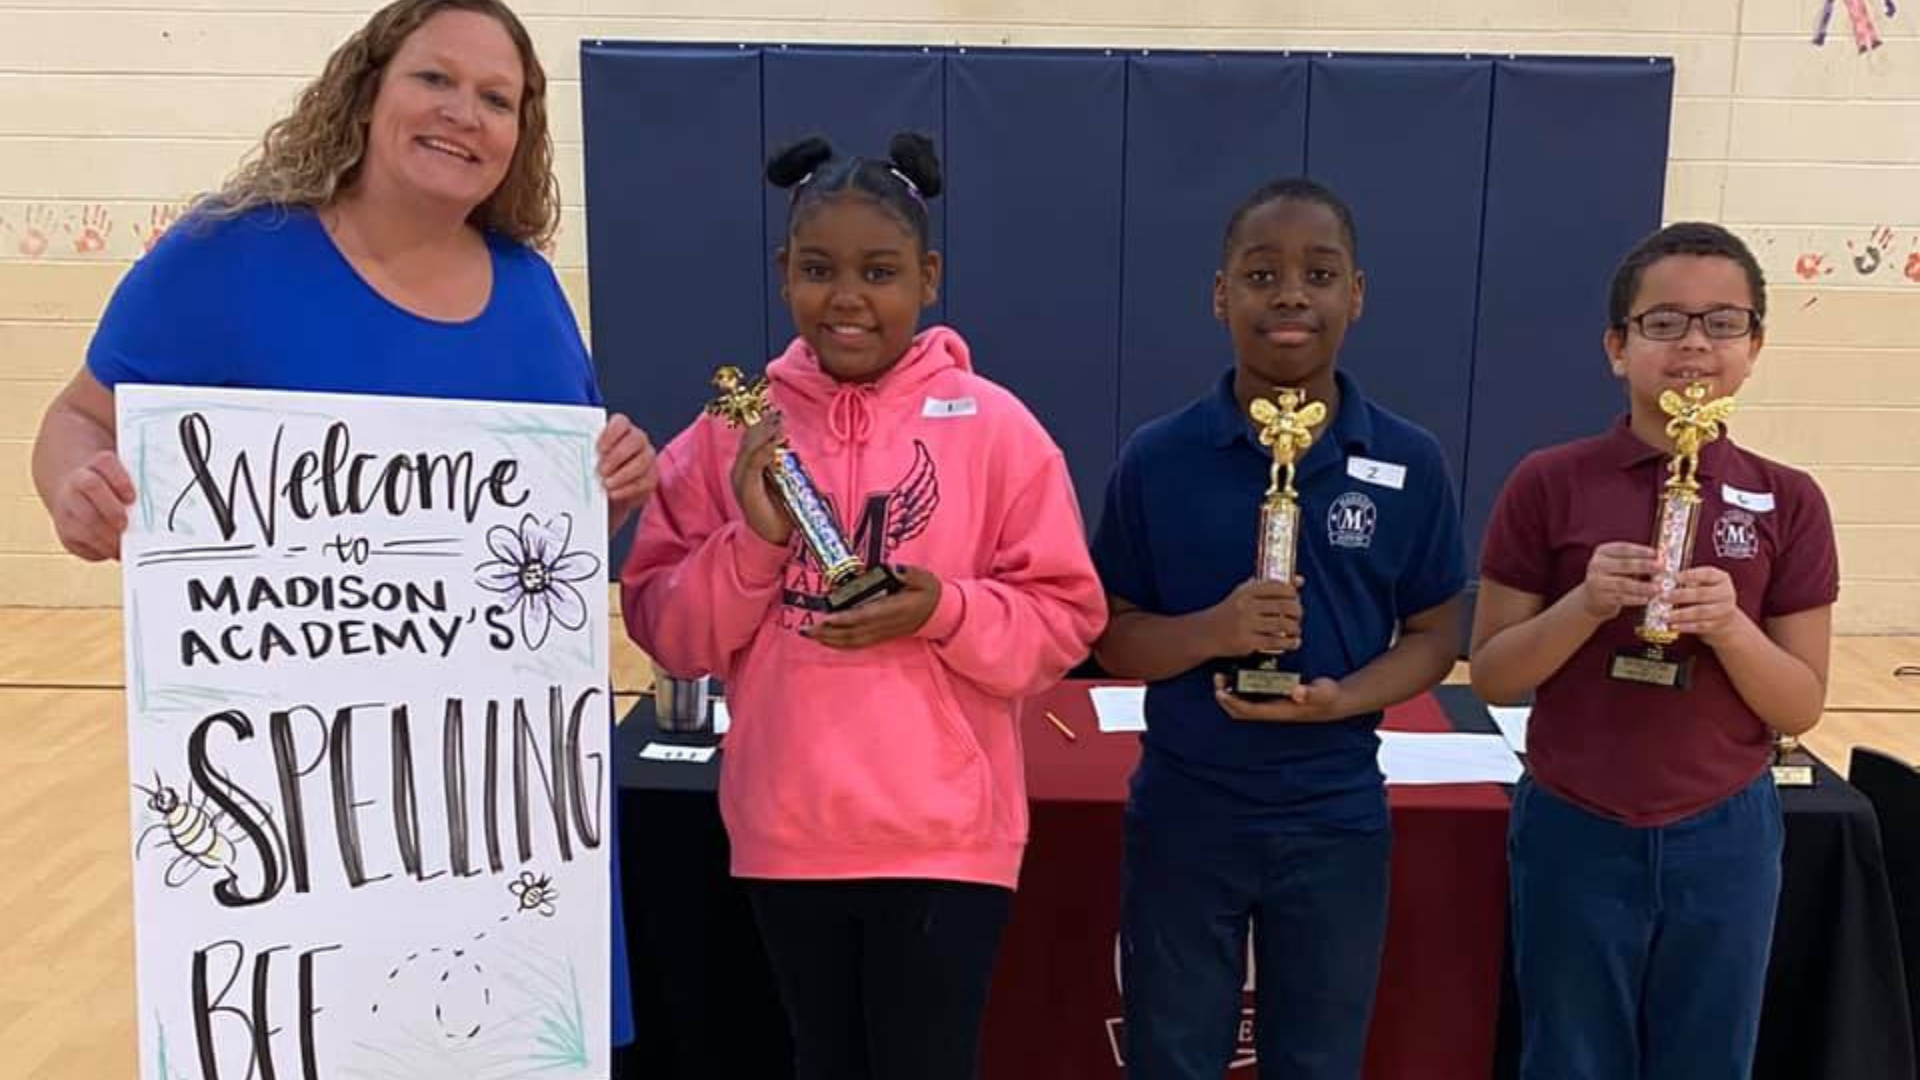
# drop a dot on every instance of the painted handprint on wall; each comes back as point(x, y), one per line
point(28, 238)
point(159, 220)
point(1811, 265)
point(1875, 257)
point(91, 230)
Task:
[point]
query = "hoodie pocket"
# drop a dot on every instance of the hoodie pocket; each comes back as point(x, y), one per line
point(861, 749)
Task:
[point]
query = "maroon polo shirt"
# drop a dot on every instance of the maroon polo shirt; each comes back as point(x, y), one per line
point(1647, 755)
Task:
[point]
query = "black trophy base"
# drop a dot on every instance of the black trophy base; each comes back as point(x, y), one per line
point(1259, 678)
point(1651, 667)
point(868, 584)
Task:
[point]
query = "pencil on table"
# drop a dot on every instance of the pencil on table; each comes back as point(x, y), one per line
point(1061, 724)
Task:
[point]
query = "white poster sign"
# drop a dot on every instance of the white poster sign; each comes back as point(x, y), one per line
point(368, 736)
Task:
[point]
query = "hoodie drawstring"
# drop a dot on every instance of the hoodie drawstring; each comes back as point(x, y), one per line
point(850, 422)
point(849, 416)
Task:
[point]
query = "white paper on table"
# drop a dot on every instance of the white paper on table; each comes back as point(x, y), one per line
point(1120, 708)
point(1408, 757)
point(721, 718)
point(1512, 722)
point(698, 755)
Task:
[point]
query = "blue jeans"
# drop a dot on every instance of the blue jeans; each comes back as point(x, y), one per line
point(1317, 900)
point(1641, 954)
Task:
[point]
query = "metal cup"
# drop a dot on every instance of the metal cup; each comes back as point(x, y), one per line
point(680, 704)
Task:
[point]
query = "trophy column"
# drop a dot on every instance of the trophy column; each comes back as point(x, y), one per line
point(849, 581)
point(1286, 427)
point(1694, 422)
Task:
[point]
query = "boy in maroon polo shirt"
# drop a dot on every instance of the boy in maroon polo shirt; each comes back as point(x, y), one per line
point(1645, 843)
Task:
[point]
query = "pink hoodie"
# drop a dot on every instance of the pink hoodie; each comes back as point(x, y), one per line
point(902, 759)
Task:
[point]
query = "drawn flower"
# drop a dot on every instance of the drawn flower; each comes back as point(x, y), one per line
point(535, 569)
point(534, 893)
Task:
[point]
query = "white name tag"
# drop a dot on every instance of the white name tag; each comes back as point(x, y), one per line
point(1384, 473)
point(698, 755)
point(1759, 502)
point(940, 408)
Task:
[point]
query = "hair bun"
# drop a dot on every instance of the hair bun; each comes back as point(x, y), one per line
point(797, 161)
point(913, 154)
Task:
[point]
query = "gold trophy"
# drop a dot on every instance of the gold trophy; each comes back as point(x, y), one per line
point(1286, 428)
point(1792, 766)
point(849, 580)
point(1693, 423)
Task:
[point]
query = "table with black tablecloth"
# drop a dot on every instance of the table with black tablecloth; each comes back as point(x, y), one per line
point(1837, 996)
point(707, 1008)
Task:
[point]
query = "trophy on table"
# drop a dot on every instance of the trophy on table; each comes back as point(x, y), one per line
point(1692, 423)
point(1792, 766)
point(1286, 428)
point(849, 581)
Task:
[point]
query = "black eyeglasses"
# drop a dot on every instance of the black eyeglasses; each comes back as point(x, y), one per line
point(1722, 323)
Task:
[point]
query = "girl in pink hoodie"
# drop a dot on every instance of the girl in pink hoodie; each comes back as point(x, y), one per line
point(872, 783)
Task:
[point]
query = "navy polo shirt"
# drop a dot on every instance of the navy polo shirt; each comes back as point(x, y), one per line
point(1379, 541)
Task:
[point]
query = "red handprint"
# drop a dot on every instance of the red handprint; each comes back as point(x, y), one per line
point(95, 225)
point(159, 220)
point(1811, 265)
point(31, 237)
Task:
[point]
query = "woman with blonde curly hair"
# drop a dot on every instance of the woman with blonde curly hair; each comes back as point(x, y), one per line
point(316, 154)
point(381, 240)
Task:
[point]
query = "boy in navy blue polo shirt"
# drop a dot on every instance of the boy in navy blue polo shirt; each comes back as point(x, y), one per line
point(1270, 812)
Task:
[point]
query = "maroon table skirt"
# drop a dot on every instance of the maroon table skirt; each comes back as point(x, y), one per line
point(1055, 1009)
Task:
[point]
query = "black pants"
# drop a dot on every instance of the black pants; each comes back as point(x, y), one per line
point(882, 979)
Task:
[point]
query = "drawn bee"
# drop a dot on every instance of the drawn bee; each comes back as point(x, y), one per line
point(187, 828)
point(535, 893)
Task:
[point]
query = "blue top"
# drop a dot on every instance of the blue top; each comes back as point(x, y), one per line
point(265, 301)
point(1379, 541)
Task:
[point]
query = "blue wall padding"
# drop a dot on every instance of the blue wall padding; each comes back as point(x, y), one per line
point(1087, 194)
point(1034, 237)
point(1575, 174)
point(1202, 132)
point(1404, 141)
point(674, 234)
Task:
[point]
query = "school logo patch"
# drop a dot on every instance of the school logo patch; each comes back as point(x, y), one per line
point(1350, 521)
point(1735, 536)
